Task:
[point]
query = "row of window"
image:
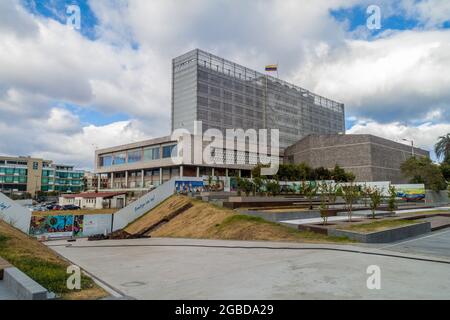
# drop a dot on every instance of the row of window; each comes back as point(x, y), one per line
point(138, 155)
point(62, 175)
point(13, 179)
point(13, 171)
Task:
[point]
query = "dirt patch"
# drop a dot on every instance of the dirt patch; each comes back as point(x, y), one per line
point(378, 225)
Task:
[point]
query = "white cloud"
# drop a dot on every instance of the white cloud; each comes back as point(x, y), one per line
point(44, 65)
point(404, 75)
point(432, 13)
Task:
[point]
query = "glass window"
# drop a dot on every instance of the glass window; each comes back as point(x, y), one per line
point(168, 150)
point(134, 156)
point(151, 154)
point(105, 161)
point(119, 158)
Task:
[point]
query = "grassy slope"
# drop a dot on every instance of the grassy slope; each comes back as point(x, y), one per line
point(42, 264)
point(206, 221)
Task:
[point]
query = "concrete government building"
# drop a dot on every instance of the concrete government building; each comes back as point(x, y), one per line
point(224, 95)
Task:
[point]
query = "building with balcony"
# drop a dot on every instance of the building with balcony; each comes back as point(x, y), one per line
point(26, 174)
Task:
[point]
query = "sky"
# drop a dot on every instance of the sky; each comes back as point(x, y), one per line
point(65, 91)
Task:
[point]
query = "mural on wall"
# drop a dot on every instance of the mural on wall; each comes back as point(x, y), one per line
point(410, 192)
point(58, 226)
point(188, 186)
point(78, 226)
point(68, 226)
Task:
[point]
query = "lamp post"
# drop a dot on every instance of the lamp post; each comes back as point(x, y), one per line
point(412, 146)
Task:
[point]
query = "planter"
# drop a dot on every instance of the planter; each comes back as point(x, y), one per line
point(385, 236)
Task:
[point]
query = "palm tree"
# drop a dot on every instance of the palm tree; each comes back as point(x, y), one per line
point(442, 147)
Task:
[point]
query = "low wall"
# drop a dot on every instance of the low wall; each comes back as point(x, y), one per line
point(385, 236)
point(23, 287)
point(436, 198)
point(14, 214)
point(281, 216)
point(66, 226)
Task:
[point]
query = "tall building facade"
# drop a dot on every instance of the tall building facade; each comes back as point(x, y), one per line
point(26, 174)
point(224, 95)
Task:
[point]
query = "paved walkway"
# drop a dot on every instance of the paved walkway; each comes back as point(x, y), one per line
point(213, 269)
point(436, 244)
point(5, 294)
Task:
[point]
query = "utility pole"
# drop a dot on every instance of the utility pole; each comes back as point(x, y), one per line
point(412, 146)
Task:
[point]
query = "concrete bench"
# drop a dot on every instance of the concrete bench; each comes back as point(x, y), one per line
point(3, 265)
point(22, 286)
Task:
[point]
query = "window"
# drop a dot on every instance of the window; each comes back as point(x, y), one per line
point(105, 161)
point(168, 150)
point(215, 91)
point(120, 158)
point(134, 156)
point(202, 88)
point(238, 98)
point(151, 154)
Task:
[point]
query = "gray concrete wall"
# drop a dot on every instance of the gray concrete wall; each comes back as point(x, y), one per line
point(22, 286)
point(282, 216)
point(385, 236)
point(436, 198)
point(369, 157)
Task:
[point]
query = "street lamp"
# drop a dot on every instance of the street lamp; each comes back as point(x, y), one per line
point(412, 146)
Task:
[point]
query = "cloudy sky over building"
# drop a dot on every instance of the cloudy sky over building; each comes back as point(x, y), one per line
point(65, 92)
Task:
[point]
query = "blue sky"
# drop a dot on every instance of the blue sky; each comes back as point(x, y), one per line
point(109, 83)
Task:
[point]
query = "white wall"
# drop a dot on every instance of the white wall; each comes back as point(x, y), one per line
point(147, 202)
point(96, 224)
point(13, 213)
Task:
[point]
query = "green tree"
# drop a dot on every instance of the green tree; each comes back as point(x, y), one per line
point(442, 148)
point(392, 198)
point(445, 169)
point(375, 199)
point(350, 193)
point(339, 175)
point(423, 170)
point(328, 195)
point(310, 191)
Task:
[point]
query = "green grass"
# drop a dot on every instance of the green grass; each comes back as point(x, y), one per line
point(240, 218)
point(425, 212)
point(3, 240)
point(42, 265)
point(377, 225)
point(50, 275)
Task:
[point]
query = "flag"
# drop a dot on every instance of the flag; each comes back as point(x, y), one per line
point(272, 67)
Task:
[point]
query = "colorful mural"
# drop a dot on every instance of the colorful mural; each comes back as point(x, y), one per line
point(188, 186)
point(410, 192)
point(51, 225)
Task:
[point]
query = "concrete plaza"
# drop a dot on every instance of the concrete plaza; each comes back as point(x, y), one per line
point(214, 269)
